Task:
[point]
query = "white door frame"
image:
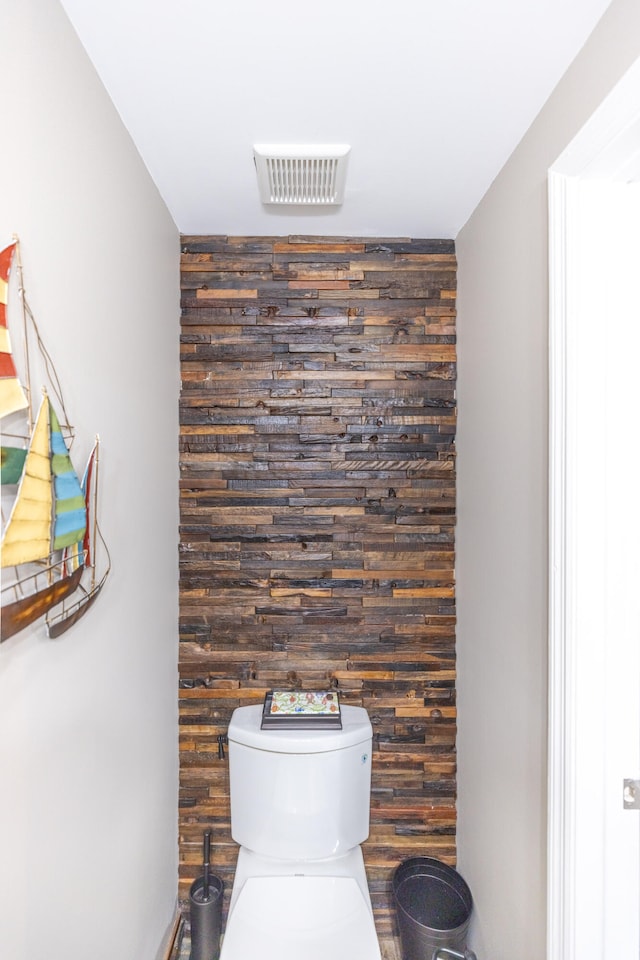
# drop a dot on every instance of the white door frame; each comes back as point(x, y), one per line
point(604, 146)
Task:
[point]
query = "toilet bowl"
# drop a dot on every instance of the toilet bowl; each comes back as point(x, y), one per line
point(300, 810)
point(294, 917)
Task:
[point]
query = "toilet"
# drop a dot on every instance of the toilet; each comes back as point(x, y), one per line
point(300, 810)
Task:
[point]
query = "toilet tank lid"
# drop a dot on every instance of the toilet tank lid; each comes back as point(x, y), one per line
point(244, 727)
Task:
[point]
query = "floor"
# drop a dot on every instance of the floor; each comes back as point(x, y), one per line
point(389, 950)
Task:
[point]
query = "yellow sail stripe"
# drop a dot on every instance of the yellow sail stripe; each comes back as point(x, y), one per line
point(4, 291)
point(12, 396)
point(27, 535)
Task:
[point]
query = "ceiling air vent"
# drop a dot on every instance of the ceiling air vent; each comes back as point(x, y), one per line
point(293, 174)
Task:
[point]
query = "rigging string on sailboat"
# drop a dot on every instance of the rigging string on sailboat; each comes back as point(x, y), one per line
point(27, 313)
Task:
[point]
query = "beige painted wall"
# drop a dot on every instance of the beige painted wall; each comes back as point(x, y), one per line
point(88, 723)
point(502, 510)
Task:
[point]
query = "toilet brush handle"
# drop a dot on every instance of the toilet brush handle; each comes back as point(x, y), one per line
point(205, 865)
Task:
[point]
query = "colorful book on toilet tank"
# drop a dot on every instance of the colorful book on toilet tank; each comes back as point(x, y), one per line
point(302, 710)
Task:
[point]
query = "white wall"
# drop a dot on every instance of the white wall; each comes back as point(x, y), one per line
point(88, 723)
point(502, 509)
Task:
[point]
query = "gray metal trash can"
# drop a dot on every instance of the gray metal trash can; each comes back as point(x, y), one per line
point(433, 907)
point(205, 905)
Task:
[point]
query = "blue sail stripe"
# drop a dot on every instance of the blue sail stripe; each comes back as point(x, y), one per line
point(67, 486)
point(58, 446)
point(67, 524)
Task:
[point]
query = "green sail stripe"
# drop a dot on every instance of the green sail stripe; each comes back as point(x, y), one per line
point(61, 464)
point(71, 503)
point(68, 539)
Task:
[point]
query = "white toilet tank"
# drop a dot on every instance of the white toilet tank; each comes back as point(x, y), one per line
point(299, 794)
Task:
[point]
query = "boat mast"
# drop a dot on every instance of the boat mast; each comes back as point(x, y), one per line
point(94, 518)
point(51, 373)
point(25, 333)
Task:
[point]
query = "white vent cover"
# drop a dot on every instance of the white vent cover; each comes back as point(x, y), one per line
point(301, 174)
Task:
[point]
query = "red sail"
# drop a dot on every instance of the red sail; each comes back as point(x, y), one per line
point(86, 489)
point(6, 259)
point(12, 396)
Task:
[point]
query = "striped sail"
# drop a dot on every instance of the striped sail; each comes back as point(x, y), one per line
point(27, 536)
point(70, 511)
point(12, 395)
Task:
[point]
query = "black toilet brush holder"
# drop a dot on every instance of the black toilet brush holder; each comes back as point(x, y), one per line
point(205, 906)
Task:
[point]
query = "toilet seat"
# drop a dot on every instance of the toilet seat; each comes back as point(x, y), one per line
point(310, 917)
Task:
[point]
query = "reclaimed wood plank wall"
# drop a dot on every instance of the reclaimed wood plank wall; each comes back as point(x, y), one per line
point(317, 518)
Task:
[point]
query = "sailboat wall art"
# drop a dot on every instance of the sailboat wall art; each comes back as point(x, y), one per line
point(50, 528)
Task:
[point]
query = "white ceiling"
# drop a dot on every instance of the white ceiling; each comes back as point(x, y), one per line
point(432, 96)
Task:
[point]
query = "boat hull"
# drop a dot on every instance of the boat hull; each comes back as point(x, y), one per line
point(57, 627)
point(23, 612)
